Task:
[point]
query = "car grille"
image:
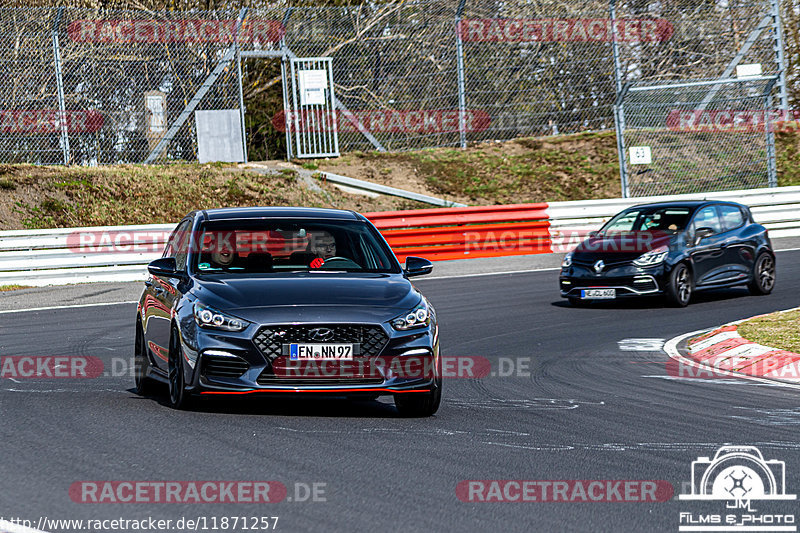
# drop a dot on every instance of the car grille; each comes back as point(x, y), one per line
point(633, 284)
point(266, 379)
point(271, 339)
point(224, 367)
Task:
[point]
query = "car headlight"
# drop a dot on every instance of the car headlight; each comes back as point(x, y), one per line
point(567, 262)
point(208, 317)
point(653, 257)
point(419, 317)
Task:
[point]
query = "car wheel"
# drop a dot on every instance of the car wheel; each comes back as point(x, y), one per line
point(178, 397)
point(420, 404)
point(141, 365)
point(680, 286)
point(763, 279)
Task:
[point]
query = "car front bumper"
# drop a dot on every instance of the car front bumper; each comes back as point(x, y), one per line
point(627, 280)
point(236, 364)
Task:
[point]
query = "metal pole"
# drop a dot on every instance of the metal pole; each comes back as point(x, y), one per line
point(241, 100)
point(462, 97)
point(619, 110)
point(772, 172)
point(286, 111)
point(780, 56)
point(612, 7)
point(60, 89)
point(619, 124)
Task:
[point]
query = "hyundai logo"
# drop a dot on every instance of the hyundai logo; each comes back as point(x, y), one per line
point(599, 266)
point(321, 334)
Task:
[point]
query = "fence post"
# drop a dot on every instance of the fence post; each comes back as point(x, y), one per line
point(780, 57)
point(241, 98)
point(462, 97)
point(619, 106)
point(772, 171)
point(612, 8)
point(62, 113)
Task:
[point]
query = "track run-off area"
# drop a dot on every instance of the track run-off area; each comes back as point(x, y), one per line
point(574, 394)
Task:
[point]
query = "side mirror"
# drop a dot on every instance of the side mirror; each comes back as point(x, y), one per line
point(702, 233)
point(417, 266)
point(166, 267)
point(593, 234)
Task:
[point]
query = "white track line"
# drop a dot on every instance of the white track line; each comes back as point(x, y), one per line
point(74, 306)
point(492, 273)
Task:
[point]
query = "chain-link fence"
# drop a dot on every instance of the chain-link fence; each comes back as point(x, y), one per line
point(104, 86)
point(682, 137)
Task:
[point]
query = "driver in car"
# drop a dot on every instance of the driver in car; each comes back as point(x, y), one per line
point(323, 245)
point(224, 255)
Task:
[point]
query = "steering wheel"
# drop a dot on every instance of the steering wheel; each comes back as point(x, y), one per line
point(341, 262)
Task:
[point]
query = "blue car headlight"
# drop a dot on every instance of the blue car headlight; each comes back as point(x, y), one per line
point(208, 317)
point(418, 317)
point(653, 257)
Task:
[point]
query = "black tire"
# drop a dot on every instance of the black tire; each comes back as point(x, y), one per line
point(680, 286)
point(421, 404)
point(178, 397)
point(763, 277)
point(141, 365)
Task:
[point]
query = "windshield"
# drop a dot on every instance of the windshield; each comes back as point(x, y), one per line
point(664, 219)
point(264, 246)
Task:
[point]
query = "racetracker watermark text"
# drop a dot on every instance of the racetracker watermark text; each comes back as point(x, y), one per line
point(572, 490)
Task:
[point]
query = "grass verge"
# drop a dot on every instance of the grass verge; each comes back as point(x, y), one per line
point(33, 197)
point(778, 330)
point(8, 288)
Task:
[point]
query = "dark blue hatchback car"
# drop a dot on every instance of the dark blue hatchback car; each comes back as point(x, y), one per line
point(673, 249)
point(287, 302)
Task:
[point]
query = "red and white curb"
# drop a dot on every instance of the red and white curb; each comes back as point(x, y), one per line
point(722, 352)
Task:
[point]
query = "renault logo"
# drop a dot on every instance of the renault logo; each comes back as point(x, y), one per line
point(321, 334)
point(599, 266)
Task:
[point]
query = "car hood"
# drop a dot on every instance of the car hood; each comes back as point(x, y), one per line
point(621, 246)
point(385, 291)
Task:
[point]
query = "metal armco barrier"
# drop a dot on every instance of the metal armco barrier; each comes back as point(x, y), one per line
point(119, 253)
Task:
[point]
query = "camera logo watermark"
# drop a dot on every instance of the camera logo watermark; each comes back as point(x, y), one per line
point(737, 475)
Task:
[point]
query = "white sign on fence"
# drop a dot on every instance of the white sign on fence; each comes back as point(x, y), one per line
point(312, 86)
point(219, 136)
point(748, 71)
point(641, 155)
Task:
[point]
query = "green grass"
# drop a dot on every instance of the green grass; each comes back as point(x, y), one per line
point(8, 288)
point(778, 330)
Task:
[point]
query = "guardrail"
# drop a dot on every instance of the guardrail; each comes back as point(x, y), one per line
point(119, 253)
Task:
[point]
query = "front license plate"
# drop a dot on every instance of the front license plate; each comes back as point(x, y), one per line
point(599, 294)
point(321, 352)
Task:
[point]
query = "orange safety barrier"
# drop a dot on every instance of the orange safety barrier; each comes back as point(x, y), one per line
point(466, 232)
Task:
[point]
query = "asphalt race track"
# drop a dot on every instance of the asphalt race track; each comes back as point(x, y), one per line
point(588, 410)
